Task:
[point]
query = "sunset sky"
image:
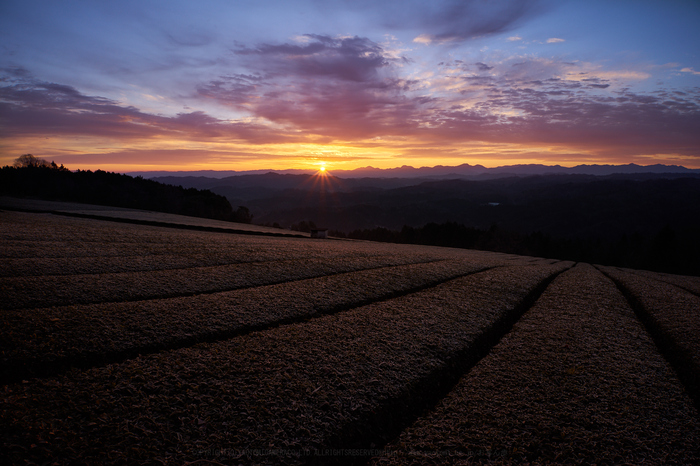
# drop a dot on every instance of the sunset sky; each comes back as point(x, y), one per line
point(136, 85)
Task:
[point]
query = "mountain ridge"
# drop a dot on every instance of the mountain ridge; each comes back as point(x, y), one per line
point(441, 171)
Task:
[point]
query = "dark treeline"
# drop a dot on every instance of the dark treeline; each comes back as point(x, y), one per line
point(667, 251)
point(36, 178)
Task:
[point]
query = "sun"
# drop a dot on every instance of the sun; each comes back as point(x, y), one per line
point(322, 169)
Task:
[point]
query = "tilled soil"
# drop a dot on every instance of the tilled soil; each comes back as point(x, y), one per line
point(671, 313)
point(43, 340)
point(577, 381)
point(139, 344)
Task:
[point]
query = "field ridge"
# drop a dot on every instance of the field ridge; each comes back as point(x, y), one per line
point(23, 369)
point(29, 292)
point(679, 346)
point(364, 352)
point(576, 381)
point(424, 394)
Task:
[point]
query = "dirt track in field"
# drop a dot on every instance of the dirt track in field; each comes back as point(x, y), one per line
point(131, 343)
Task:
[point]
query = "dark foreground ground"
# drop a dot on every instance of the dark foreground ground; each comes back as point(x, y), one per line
point(130, 343)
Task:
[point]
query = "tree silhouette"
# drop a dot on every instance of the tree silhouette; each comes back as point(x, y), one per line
point(36, 178)
point(28, 160)
point(242, 215)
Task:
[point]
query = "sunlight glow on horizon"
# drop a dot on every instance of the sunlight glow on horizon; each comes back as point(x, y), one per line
point(179, 155)
point(138, 162)
point(238, 90)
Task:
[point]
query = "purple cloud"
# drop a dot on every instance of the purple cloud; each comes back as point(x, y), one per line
point(329, 87)
point(449, 20)
point(483, 67)
point(559, 112)
point(40, 108)
point(351, 59)
point(308, 92)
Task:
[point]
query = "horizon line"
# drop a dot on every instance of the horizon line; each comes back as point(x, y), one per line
point(410, 167)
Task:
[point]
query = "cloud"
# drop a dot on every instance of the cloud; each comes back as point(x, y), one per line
point(630, 75)
point(690, 70)
point(514, 38)
point(423, 39)
point(50, 107)
point(327, 86)
point(236, 90)
point(12, 74)
point(349, 58)
point(556, 111)
point(306, 93)
point(554, 40)
point(515, 100)
point(536, 102)
point(35, 108)
point(448, 20)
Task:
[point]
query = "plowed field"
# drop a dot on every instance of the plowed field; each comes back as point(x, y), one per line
point(153, 344)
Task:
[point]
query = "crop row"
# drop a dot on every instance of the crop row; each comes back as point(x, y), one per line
point(180, 259)
point(96, 247)
point(27, 237)
point(47, 267)
point(577, 381)
point(45, 340)
point(247, 261)
point(62, 290)
point(688, 283)
point(340, 380)
point(672, 315)
point(264, 350)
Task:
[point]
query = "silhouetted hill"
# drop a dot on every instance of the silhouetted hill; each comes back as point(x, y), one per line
point(243, 188)
point(567, 206)
point(643, 220)
point(636, 220)
point(464, 171)
point(113, 189)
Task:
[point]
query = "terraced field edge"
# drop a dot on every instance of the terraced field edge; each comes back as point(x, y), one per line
point(155, 223)
point(19, 372)
point(376, 429)
point(680, 358)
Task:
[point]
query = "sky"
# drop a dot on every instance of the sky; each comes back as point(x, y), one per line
point(139, 85)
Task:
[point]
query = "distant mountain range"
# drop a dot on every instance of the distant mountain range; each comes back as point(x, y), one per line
point(591, 201)
point(479, 171)
point(245, 188)
point(626, 215)
point(630, 216)
point(465, 171)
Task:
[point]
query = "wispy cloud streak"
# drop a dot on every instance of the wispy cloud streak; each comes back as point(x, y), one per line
point(349, 90)
point(450, 20)
point(32, 107)
point(404, 75)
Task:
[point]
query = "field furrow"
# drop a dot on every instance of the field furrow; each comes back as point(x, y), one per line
point(344, 380)
point(129, 343)
point(49, 267)
point(112, 264)
point(72, 239)
point(577, 381)
point(43, 341)
point(690, 284)
point(672, 316)
point(61, 290)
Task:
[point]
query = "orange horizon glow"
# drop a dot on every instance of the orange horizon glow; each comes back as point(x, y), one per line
point(283, 99)
point(183, 156)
